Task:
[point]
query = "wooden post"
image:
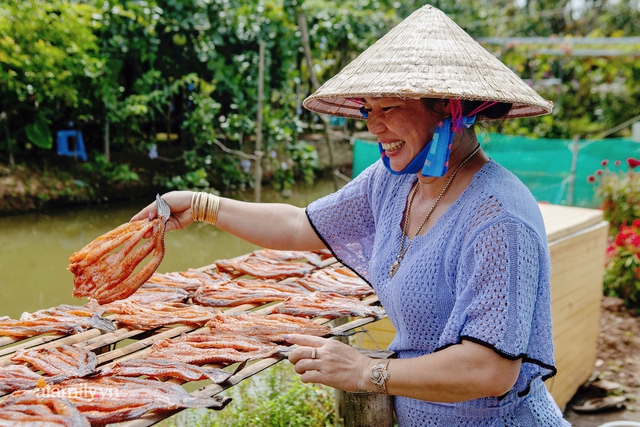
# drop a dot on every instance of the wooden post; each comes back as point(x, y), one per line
point(366, 408)
point(575, 148)
point(258, 153)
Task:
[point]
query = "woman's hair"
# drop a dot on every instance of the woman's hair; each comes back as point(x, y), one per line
point(496, 111)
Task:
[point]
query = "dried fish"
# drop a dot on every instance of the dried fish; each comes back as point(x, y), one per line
point(150, 293)
point(110, 399)
point(199, 349)
point(339, 280)
point(147, 316)
point(108, 277)
point(263, 265)
point(159, 368)
point(20, 377)
point(326, 304)
point(63, 319)
point(246, 291)
point(271, 327)
point(34, 411)
point(189, 280)
point(65, 360)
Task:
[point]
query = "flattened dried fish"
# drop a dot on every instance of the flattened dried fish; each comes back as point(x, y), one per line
point(108, 277)
point(199, 349)
point(63, 319)
point(20, 377)
point(326, 304)
point(271, 327)
point(108, 400)
point(147, 316)
point(158, 368)
point(150, 293)
point(339, 280)
point(265, 267)
point(65, 360)
point(189, 280)
point(34, 411)
point(246, 291)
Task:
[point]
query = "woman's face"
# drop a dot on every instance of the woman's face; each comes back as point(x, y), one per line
point(403, 127)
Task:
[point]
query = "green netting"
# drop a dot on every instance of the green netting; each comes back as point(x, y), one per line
point(544, 165)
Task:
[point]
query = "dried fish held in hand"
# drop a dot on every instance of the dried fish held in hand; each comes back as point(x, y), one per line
point(106, 276)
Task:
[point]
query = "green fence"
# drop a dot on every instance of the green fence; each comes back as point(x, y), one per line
point(544, 165)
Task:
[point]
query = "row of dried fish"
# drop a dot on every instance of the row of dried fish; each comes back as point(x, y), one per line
point(104, 400)
point(63, 319)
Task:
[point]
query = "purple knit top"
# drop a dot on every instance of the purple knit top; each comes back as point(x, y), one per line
point(481, 273)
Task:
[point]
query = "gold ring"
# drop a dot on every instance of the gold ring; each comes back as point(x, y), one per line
point(313, 353)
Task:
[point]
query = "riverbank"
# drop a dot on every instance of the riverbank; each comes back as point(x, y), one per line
point(40, 186)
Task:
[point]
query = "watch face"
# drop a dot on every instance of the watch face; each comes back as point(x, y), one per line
point(379, 376)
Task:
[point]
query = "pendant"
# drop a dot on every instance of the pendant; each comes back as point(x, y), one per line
point(394, 268)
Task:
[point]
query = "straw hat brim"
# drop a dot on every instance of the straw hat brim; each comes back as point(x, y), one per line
point(426, 56)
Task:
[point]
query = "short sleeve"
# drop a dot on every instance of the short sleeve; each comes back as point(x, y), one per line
point(345, 222)
point(497, 291)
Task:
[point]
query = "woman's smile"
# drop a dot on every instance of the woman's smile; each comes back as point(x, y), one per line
point(391, 148)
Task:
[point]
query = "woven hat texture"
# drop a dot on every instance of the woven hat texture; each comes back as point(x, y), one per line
point(426, 56)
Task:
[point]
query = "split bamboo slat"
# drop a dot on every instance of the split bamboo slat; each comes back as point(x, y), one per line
point(127, 342)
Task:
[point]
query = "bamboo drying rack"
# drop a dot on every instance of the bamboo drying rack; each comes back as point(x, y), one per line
point(111, 346)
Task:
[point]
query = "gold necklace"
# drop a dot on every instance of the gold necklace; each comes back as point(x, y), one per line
point(403, 250)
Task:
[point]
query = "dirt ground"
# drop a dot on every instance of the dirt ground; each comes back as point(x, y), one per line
point(618, 360)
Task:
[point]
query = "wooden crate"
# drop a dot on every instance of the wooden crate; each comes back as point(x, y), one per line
point(577, 242)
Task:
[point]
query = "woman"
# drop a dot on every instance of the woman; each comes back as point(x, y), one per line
point(453, 244)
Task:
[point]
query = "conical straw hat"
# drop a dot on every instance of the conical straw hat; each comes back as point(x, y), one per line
point(426, 56)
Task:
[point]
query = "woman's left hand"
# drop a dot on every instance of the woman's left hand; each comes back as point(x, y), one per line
point(330, 362)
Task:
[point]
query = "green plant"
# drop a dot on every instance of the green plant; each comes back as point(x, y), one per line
point(110, 173)
point(622, 272)
point(619, 191)
point(275, 398)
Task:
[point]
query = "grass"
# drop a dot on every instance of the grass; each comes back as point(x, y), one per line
point(273, 398)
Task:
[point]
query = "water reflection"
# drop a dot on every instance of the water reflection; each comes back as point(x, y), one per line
point(35, 248)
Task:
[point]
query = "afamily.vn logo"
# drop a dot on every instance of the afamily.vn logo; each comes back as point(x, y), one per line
point(83, 392)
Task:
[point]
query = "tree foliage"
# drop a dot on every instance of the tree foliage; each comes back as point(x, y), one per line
point(178, 79)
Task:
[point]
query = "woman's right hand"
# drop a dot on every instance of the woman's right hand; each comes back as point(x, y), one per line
point(180, 206)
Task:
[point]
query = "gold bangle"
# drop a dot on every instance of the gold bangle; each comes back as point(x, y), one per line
point(204, 207)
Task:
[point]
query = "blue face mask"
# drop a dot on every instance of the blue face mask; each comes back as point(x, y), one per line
point(433, 159)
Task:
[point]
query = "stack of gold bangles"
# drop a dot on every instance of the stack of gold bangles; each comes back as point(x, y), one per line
point(204, 207)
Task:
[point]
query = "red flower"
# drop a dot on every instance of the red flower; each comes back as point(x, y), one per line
point(591, 179)
point(636, 223)
point(599, 172)
point(633, 162)
point(605, 162)
point(617, 163)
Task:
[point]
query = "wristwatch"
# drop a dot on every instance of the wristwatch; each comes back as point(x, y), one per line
point(379, 376)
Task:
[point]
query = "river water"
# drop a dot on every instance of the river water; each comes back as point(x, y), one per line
point(35, 248)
